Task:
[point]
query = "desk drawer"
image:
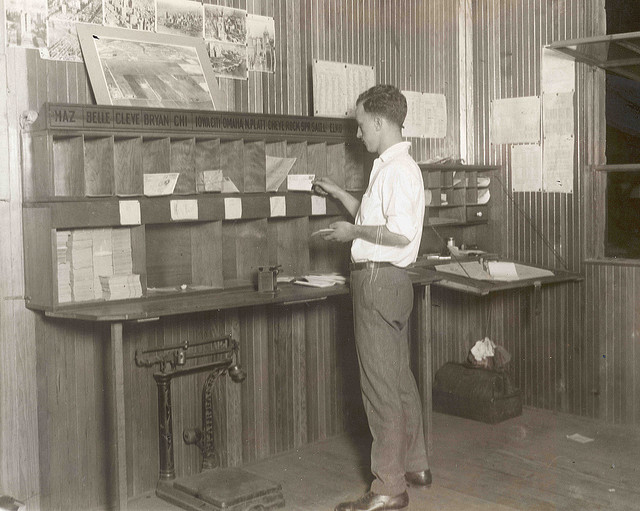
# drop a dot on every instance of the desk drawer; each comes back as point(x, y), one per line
point(477, 213)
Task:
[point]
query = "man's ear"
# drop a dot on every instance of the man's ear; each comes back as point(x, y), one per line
point(378, 122)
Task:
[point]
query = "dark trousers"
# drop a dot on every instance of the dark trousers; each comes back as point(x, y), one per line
point(382, 303)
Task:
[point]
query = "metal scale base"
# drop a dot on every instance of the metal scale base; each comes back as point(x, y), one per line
point(222, 489)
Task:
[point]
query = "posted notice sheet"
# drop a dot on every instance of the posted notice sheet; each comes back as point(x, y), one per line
point(426, 115)
point(526, 168)
point(515, 120)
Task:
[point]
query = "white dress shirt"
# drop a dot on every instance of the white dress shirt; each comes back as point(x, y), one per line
point(395, 199)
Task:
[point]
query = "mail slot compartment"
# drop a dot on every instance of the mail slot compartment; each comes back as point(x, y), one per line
point(475, 213)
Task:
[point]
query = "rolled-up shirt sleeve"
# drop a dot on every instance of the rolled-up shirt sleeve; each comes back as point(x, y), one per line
point(401, 203)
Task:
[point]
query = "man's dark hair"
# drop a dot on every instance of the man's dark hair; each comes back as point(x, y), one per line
point(386, 101)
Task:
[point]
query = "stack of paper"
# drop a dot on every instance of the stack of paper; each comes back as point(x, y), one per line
point(121, 246)
point(64, 274)
point(120, 287)
point(102, 258)
point(80, 255)
point(321, 280)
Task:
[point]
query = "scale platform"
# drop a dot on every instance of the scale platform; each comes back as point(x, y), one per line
point(222, 489)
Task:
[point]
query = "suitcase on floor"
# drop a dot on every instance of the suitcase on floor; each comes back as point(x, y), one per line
point(485, 395)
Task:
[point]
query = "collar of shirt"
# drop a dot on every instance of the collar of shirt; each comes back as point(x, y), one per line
point(389, 154)
point(394, 150)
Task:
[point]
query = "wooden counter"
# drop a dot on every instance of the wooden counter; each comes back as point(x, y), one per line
point(116, 314)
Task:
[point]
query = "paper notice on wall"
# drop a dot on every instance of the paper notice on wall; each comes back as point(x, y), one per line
point(413, 122)
point(557, 165)
point(515, 120)
point(359, 79)
point(526, 168)
point(557, 115)
point(558, 72)
point(426, 115)
point(337, 85)
point(329, 88)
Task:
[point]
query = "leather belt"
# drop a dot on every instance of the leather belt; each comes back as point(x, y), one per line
point(368, 265)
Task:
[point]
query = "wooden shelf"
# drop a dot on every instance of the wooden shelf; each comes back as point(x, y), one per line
point(85, 182)
point(454, 191)
point(627, 167)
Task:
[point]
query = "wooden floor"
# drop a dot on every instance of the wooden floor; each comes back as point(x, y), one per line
point(525, 463)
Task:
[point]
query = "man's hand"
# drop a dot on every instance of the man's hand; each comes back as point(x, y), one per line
point(324, 186)
point(342, 231)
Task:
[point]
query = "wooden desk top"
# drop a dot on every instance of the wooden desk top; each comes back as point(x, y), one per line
point(485, 287)
point(157, 306)
point(423, 273)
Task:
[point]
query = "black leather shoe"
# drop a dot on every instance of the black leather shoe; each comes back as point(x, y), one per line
point(375, 502)
point(420, 479)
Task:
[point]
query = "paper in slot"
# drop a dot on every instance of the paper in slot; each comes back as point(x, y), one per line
point(483, 181)
point(300, 182)
point(228, 186)
point(232, 208)
point(277, 171)
point(483, 196)
point(318, 205)
point(278, 206)
point(129, 212)
point(156, 185)
point(185, 209)
point(210, 181)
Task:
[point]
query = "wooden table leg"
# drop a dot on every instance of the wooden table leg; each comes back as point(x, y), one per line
point(422, 309)
point(115, 388)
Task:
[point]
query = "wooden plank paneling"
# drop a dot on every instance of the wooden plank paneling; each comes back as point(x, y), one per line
point(554, 356)
point(613, 336)
point(414, 44)
point(19, 429)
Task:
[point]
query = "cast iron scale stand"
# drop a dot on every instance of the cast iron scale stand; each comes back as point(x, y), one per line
point(214, 488)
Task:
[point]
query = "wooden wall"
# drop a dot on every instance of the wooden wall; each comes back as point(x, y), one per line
point(52, 373)
point(551, 355)
point(573, 355)
point(612, 339)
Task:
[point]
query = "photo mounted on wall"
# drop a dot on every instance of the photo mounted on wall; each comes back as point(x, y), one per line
point(137, 68)
point(76, 11)
point(180, 17)
point(225, 24)
point(261, 43)
point(26, 23)
point(227, 59)
point(134, 14)
point(62, 41)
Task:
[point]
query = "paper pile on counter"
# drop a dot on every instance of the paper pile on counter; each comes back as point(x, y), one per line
point(320, 280)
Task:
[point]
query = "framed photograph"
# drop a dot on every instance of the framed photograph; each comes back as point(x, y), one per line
point(144, 69)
